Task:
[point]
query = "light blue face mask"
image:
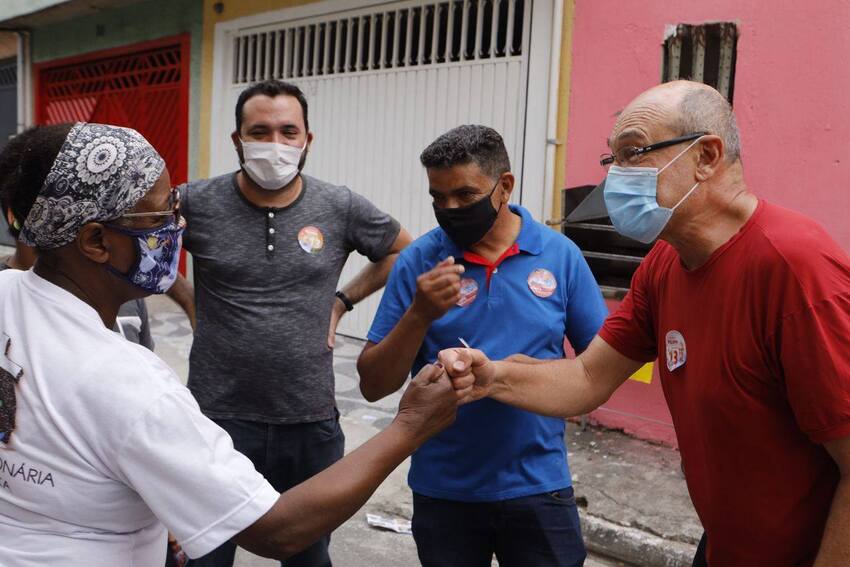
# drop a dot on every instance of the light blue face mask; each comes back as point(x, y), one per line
point(631, 200)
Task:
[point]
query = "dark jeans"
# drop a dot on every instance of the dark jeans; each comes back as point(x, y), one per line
point(535, 531)
point(699, 557)
point(286, 455)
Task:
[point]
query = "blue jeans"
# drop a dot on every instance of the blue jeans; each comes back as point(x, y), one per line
point(286, 455)
point(535, 531)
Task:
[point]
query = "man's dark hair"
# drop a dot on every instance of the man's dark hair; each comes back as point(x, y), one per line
point(24, 163)
point(465, 144)
point(271, 88)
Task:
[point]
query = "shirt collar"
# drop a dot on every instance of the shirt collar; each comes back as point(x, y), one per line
point(529, 240)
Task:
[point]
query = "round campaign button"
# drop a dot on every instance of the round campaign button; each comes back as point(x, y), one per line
point(311, 239)
point(542, 283)
point(468, 292)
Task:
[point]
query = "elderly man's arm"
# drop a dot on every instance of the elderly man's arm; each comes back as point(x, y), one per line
point(562, 388)
point(183, 294)
point(835, 546)
point(369, 280)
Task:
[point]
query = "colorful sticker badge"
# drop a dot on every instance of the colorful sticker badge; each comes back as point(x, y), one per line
point(468, 292)
point(311, 239)
point(542, 283)
point(677, 352)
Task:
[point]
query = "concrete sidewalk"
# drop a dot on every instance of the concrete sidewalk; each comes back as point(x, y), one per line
point(633, 501)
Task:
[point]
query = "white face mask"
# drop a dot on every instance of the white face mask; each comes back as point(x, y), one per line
point(270, 165)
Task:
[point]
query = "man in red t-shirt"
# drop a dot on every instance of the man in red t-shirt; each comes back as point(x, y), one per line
point(747, 307)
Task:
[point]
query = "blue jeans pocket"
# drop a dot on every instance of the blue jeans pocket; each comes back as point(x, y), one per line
point(563, 496)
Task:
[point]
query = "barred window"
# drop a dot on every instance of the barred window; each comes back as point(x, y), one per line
point(704, 53)
point(8, 73)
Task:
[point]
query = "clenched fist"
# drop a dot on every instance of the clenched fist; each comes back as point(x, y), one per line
point(472, 374)
point(438, 290)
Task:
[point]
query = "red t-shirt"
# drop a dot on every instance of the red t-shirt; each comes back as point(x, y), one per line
point(754, 358)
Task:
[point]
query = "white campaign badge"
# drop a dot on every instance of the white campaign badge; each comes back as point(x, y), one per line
point(677, 352)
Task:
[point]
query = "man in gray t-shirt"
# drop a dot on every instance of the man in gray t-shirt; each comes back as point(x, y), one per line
point(265, 279)
point(268, 246)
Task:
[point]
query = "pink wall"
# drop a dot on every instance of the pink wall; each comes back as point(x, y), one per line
point(792, 100)
point(792, 91)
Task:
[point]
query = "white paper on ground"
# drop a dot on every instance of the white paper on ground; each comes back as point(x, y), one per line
point(392, 524)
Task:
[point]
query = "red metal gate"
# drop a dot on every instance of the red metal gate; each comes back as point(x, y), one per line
point(143, 86)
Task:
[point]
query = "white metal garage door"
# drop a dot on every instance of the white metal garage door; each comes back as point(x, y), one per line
point(382, 82)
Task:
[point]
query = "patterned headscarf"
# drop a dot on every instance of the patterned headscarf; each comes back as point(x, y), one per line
point(100, 173)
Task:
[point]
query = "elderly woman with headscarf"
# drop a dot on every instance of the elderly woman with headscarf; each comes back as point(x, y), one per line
point(101, 446)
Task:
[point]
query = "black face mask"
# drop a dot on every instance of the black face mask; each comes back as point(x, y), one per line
point(468, 225)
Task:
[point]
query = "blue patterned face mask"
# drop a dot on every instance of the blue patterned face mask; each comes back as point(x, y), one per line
point(158, 255)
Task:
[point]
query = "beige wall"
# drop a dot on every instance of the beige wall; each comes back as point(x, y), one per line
point(8, 45)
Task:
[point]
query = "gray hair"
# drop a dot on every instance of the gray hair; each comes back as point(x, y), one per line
point(705, 110)
point(465, 144)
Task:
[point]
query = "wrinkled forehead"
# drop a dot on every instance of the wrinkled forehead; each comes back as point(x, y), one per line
point(645, 121)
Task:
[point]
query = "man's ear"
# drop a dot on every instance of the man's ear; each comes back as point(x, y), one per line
point(712, 153)
point(506, 183)
point(93, 241)
point(237, 144)
point(10, 218)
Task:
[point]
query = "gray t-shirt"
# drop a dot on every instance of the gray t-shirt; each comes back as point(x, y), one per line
point(132, 320)
point(264, 289)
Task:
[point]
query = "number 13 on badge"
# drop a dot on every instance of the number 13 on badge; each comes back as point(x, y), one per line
point(677, 351)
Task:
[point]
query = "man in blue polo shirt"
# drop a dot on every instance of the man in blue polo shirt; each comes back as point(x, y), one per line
point(497, 481)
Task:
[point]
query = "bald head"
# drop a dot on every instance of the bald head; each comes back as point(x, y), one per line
point(684, 107)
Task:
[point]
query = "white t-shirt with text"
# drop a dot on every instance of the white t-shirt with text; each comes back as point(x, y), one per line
point(103, 447)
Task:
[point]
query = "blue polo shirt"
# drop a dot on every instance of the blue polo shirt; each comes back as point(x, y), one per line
point(534, 299)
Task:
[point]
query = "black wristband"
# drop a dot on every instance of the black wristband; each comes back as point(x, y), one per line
point(345, 301)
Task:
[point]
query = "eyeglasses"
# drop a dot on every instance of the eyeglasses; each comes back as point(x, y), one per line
point(628, 155)
point(173, 211)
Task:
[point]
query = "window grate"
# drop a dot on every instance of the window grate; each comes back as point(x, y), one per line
point(704, 53)
point(8, 74)
point(159, 67)
point(436, 33)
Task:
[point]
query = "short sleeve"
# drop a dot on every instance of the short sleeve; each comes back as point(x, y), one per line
point(186, 470)
point(586, 310)
point(398, 295)
point(370, 231)
point(814, 351)
point(631, 329)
